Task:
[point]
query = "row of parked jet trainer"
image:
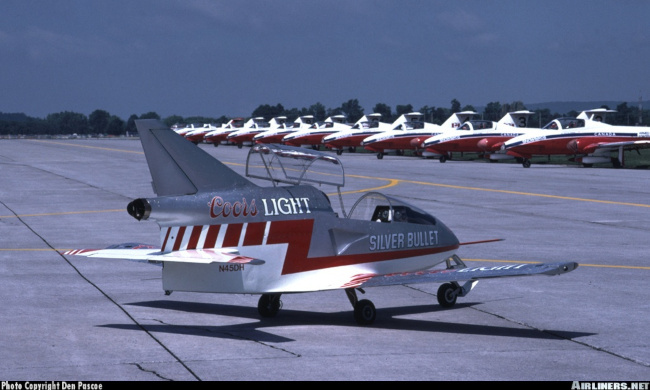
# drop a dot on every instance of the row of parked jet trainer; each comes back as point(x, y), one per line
point(586, 137)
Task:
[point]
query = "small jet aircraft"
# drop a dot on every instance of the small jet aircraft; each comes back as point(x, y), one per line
point(218, 136)
point(366, 126)
point(478, 136)
point(196, 136)
point(274, 136)
point(313, 136)
point(409, 131)
point(252, 127)
point(586, 137)
point(189, 128)
point(222, 233)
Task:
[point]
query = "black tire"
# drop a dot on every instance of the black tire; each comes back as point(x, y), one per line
point(446, 296)
point(239, 146)
point(339, 152)
point(526, 163)
point(380, 156)
point(443, 158)
point(365, 312)
point(268, 306)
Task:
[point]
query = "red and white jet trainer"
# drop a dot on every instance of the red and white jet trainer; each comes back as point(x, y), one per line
point(479, 136)
point(409, 131)
point(252, 127)
point(585, 137)
point(218, 136)
point(196, 136)
point(221, 233)
point(274, 136)
point(366, 126)
point(313, 136)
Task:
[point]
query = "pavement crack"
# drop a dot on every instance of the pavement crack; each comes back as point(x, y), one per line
point(151, 371)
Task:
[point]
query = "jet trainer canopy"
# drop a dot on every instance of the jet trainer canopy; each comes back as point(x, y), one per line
point(476, 125)
point(564, 123)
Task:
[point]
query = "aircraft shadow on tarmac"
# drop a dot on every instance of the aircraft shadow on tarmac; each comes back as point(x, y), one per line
point(386, 320)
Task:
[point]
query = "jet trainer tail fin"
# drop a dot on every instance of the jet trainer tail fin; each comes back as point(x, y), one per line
point(178, 167)
point(516, 118)
point(458, 118)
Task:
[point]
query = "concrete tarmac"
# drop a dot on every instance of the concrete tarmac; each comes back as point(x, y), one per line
point(78, 319)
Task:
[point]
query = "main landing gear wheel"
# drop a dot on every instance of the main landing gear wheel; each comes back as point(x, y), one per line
point(526, 163)
point(443, 158)
point(339, 152)
point(365, 312)
point(447, 294)
point(380, 155)
point(269, 305)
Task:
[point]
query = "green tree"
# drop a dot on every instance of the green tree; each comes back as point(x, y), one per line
point(150, 115)
point(172, 120)
point(268, 111)
point(98, 121)
point(115, 126)
point(542, 116)
point(130, 127)
point(352, 110)
point(384, 110)
point(622, 116)
point(319, 111)
point(68, 123)
point(455, 106)
point(492, 111)
point(402, 109)
point(440, 115)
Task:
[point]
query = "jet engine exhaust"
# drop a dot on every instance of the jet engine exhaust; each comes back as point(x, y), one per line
point(139, 209)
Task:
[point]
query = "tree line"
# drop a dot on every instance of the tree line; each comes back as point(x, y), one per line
point(101, 122)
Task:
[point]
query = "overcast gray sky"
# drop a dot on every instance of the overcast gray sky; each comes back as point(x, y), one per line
point(213, 58)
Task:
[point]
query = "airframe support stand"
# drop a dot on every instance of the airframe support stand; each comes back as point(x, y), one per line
point(455, 262)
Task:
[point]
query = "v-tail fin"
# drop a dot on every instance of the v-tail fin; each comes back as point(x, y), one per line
point(178, 167)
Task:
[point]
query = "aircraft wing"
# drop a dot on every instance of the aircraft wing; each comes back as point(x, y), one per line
point(149, 253)
point(461, 274)
point(625, 144)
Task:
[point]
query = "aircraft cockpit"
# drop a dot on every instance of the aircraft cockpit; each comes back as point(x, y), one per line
point(414, 125)
point(261, 125)
point(369, 125)
point(564, 123)
point(375, 206)
point(476, 125)
point(322, 125)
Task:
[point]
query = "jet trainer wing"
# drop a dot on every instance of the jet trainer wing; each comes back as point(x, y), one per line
point(143, 252)
point(625, 144)
point(462, 274)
